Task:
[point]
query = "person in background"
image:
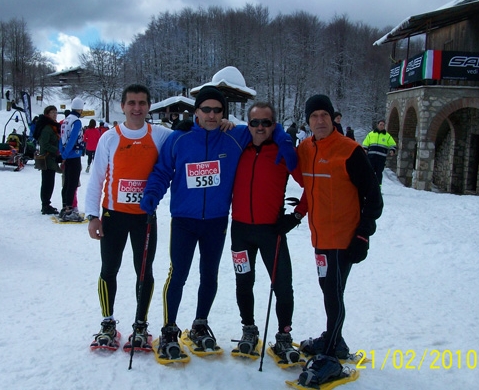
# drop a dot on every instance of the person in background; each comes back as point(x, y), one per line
point(102, 128)
point(32, 129)
point(71, 149)
point(301, 134)
point(293, 133)
point(124, 159)
point(201, 179)
point(350, 133)
point(337, 122)
point(344, 200)
point(91, 137)
point(258, 222)
point(175, 119)
point(65, 114)
point(49, 134)
point(379, 144)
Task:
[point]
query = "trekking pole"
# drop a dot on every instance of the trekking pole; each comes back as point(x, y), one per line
point(273, 277)
point(149, 221)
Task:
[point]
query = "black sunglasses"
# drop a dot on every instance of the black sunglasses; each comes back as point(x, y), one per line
point(207, 110)
point(262, 122)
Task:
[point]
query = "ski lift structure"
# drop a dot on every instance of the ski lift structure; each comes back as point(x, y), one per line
point(16, 149)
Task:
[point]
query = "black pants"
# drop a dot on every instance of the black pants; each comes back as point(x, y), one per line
point(251, 238)
point(72, 177)
point(116, 228)
point(378, 163)
point(48, 184)
point(332, 281)
point(91, 156)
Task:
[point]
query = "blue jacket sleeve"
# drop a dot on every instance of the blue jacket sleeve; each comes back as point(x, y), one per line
point(286, 149)
point(163, 171)
point(242, 135)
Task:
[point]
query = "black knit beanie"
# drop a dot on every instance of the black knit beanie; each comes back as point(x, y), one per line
point(318, 102)
point(210, 92)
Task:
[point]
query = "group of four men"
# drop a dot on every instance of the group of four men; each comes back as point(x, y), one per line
point(210, 166)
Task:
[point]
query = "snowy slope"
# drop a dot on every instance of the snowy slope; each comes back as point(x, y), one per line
point(416, 293)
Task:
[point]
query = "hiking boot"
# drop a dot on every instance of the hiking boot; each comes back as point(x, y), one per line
point(316, 346)
point(62, 212)
point(202, 335)
point(141, 335)
point(71, 216)
point(342, 350)
point(106, 335)
point(49, 210)
point(169, 347)
point(320, 369)
point(249, 340)
point(284, 348)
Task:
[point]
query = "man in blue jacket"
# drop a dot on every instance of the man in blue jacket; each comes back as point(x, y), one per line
point(200, 164)
point(71, 149)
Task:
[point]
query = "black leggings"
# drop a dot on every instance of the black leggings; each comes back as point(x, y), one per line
point(91, 156)
point(72, 177)
point(116, 228)
point(251, 238)
point(333, 283)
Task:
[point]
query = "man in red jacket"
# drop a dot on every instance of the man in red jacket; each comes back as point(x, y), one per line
point(259, 223)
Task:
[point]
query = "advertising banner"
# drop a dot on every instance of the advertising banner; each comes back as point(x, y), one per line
point(458, 65)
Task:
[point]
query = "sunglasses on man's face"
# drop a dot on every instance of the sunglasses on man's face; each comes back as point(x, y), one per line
point(207, 110)
point(262, 122)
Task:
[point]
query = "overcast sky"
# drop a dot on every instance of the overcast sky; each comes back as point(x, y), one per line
point(62, 30)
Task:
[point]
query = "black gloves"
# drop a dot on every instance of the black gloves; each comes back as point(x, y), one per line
point(287, 222)
point(358, 248)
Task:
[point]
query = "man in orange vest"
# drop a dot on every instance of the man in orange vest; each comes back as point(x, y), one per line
point(344, 201)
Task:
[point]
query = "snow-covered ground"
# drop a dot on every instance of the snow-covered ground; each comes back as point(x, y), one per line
point(412, 305)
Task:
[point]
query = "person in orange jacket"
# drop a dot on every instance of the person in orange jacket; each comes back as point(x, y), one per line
point(344, 200)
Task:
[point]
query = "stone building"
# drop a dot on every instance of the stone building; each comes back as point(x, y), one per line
point(433, 104)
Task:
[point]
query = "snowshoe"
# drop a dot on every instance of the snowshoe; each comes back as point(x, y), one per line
point(107, 338)
point(249, 340)
point(255, 354)
point(143, 339)
point(320, 369)
point(324, 373)
point(166, 347)
point(284, 348)
point(200, 339)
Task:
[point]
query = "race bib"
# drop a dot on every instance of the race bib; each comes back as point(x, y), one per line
point(241, 262)
point(202, 175)
point(130, 191)
point(321, 264)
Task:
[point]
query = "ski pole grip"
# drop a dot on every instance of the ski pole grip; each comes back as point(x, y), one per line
point(151, 218)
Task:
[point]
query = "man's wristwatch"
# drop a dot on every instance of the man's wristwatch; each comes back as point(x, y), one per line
point(91, 217)
point(298, 216)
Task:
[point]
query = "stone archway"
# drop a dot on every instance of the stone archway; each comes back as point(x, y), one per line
point(455, 133)
point(437, 117)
